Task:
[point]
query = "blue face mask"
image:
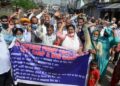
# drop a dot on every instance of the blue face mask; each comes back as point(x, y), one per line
point(19, 36)
point(5, 26)
point(34, 26)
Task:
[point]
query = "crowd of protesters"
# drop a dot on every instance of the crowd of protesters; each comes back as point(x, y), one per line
point(71, 31)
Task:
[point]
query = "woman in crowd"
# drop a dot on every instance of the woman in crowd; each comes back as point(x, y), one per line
point(70, 40)
point(18, 34)
point(101, 47)
point(103, 56)
point(96, 44)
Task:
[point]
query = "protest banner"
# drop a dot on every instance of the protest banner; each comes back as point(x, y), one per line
point(47, 65)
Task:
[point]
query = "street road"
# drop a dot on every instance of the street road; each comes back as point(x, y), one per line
point(107, 79)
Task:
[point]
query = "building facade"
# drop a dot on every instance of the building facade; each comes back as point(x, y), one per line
point(98, 8)
point(112, 7)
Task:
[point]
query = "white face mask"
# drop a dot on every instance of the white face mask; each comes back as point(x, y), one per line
point(18, 26)
point(112, 21)
point(95, 38)
point(71, 35)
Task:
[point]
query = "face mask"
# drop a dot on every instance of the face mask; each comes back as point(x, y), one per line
point(112, 22)
point(71, 35)
point(95, 38)
point(34, 26)
point(5, 26)
point(18, 26)
point(19, 36)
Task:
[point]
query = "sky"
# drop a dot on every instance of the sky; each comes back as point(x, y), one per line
point(52, 1)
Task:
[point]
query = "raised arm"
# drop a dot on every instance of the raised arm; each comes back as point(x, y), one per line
point(60, 31)
point(16, 14)
point(88, 44)
point(41, 14)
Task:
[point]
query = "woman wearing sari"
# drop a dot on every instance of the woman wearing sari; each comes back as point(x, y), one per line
point(102, 46)
point(103, 58)
point(70, 40)
point(96, 46)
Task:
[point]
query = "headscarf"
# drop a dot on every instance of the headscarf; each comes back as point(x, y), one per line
point(94, 36)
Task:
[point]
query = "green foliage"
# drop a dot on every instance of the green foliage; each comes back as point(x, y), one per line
point(25, 4)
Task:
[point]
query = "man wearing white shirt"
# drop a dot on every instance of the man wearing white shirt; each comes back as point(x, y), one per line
point(48, 38)
point(4, 63)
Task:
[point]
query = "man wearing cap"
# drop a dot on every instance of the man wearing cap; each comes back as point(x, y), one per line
point(26, 26)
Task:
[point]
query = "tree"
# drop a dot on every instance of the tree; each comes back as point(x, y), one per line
point(25, 4)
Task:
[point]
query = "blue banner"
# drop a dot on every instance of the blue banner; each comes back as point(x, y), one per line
point(45, 65)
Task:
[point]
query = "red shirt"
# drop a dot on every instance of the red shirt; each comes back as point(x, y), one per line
point(94, 75)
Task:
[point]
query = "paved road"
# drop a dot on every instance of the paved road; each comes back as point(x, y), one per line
point(106, 80)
